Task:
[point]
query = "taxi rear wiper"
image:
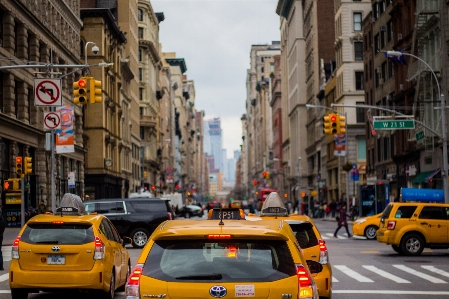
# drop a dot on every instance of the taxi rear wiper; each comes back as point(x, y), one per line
point(212, 276)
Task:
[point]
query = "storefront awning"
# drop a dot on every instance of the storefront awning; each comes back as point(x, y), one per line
point(432, 175)
point(423, 176)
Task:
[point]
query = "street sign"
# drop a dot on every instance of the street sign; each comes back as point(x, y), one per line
point(52, 120)
point(419, 135)
point(400, 124)
point(47, 92)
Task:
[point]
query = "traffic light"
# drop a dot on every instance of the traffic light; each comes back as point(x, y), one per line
point(11, 185)
point(95, 93)
point(19, 166)
point(285, 195)
point(254, 182)
point(152, 187)
point(264, 174)
point(144, 174)
point(327, 125)
point(303, 194)
point(341, 124)
point(267, 176)
point(27, 165)
point(80, 91)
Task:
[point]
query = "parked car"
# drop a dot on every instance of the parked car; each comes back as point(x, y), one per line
point(136, 218)
point(189, 211)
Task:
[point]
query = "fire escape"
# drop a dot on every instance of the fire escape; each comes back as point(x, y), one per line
point(426, 45)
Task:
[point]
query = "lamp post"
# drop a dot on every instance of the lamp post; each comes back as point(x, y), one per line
point(142, 148)
point(443, 121)
point(95, 50)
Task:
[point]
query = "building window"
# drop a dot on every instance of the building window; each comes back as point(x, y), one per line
point(358, 50)
point(359, 80)
point(140, 33)
point(140, 74)
point(140, 94)
point(361, 149)
point(389, 31)
point(376, 43)
point(357, 17)
point(140, 54)
point(360, 113)
point(140, 15)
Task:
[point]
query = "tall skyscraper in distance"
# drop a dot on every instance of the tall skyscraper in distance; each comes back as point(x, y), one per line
point(213, 141)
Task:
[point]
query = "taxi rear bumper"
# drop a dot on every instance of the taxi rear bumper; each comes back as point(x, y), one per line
point(94, 279)
point(323, 282)
point(385, 237)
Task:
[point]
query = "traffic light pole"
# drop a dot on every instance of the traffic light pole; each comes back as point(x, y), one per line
point(22, 202)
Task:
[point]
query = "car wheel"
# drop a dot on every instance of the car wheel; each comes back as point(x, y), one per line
point(128, 272)
point(187, 215)
point(397, 249)
point(19, 293)
point(412, 244)
point(111, 292)
point(140, 237)
point(370, 232)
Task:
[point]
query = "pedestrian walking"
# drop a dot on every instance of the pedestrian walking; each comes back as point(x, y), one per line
point(2, 230)
point(342, 221)
point(41, 209)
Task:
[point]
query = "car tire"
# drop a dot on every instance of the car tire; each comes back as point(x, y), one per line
point(19, 293)
point(187, 215)
point(140, 237)
point(370, 232)
point(397, 249)
point(412, 244)
point(111, 292)
point(128, 273)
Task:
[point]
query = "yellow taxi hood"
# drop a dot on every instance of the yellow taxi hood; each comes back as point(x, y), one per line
point(194, 229)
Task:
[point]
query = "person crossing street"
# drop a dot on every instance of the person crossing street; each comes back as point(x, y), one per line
point(342, 221)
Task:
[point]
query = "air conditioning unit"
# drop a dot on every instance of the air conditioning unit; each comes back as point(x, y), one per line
point(383, 28)
point(399, 36)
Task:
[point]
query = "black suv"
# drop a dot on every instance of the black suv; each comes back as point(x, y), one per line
point(136, 218)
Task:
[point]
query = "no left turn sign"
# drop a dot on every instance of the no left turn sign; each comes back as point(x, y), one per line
point(52, 120)
point(47, 92)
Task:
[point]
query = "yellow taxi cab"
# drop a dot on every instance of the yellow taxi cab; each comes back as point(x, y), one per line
point(307, 235)
point(68, 250)
point(228, 257)
point(409, 227)
point(236, 204)
point(366, 226)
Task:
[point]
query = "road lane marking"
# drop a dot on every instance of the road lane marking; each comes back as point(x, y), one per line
point(369, 252)
point(419, 274)
point(4, 277)
point(332, 235)
point(386, 274)
point(334, 279)
point(352, 273)
point(389, 292)
point(436, 270)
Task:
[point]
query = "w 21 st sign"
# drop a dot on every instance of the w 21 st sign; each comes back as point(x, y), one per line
point(47, 92)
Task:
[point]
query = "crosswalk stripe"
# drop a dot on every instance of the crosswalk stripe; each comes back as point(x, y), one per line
point(4, 277)
point(352, 273)
point(419, 274)
point(334, 279)
point(435, 270)
point(386, 274)
point(332, 235)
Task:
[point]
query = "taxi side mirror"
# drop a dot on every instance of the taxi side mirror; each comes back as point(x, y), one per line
point(314, 267)
point(126, 241)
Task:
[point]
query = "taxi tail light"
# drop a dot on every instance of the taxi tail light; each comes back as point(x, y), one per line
point(324, 254)
point(169, 216)
point(391, 225)
point(219, 236)
point(133, 283)
point(305, 282)
point(15, 249)
point(99, 251)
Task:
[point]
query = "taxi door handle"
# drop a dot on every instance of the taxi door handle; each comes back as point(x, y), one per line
point(424, 223)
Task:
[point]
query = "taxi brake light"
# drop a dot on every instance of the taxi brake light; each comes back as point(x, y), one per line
point(391, 225)
point(219, 236)
point(15, 248)
point(305, 283)
point(169, 217)
point(324, 254)
point(232, 252)
point(99, 251)
point(132, 286)
point(57, 222)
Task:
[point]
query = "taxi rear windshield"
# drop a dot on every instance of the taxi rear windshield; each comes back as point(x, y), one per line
point(58, 234)
point(304, 234)
point(223, 261)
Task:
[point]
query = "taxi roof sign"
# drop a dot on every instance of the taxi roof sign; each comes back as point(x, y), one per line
point(226, 214)
point(273, 206)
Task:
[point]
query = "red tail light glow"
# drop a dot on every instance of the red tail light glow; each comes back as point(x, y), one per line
point(133, 284)
point(391, 225)
point(15, 248)
point(99, 251)
point(306, 285)
point(57, 222)
point(219, 236)
point(169, 216)
point(232, 252)
point(324, 254)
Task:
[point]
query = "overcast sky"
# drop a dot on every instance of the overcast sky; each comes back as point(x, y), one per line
point(215, 37)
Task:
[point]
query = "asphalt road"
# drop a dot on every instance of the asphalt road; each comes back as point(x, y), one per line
point(361, 269)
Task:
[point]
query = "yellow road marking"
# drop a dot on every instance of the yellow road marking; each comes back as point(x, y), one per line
point(369, 252)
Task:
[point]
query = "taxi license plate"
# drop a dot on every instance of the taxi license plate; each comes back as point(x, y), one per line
point(56, 260)
point(232, 214)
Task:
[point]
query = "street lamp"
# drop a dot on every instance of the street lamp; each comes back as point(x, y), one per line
point(142, 158)
point(443, 121)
